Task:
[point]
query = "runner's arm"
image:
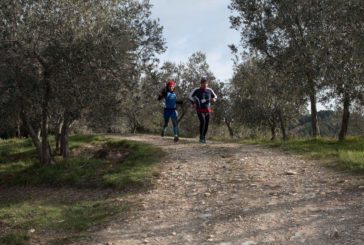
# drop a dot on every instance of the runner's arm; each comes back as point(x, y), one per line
point(162, 94)
point(192, 94)
point(213, 95)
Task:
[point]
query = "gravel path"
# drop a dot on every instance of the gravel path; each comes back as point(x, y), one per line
point(222, 193)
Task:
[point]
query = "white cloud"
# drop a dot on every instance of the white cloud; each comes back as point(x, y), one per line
point(197, 25)
point(220, 64)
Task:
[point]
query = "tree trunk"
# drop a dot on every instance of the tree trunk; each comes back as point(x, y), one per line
point(184, 110)
point(273, 129)
point(65, 150)
point(18, 128)
point(283, 125)
point(345, 118)
point(314, 120)
point(46, 155)
point(58, 137)
point(228, 125)
point(33, 135)
point(133, 123)
point(65, 140)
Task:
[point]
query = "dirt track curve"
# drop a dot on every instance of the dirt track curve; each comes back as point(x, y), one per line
point(227, 194)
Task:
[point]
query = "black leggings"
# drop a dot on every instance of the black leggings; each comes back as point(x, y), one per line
point(204, 118)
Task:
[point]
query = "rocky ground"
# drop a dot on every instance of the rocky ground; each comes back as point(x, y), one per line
point(222, 193)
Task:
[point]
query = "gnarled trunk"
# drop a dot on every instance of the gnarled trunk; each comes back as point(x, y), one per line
point(313, 101)
point(345, 118)
point(282, 124)
point(33, 134)
point(46, 154)
point(273, 127)
point(58, 136)
point(65, 151)
point(228, 125)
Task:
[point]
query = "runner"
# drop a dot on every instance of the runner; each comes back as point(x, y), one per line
point(170, 108)
point(201, 100)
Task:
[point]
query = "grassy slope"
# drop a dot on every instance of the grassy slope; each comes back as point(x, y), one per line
point(24, 216)
point(347, 155)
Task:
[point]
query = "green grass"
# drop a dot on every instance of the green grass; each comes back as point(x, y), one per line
point(71, 218)
point(75, 216)
point(135, 166)
point(136, 169)
point(346, 155)
point(14, 238)
point(79, 140)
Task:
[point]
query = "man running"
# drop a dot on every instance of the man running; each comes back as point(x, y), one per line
point(201, 100)
point(170, 108)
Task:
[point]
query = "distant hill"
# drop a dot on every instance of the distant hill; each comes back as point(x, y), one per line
point(329, 123)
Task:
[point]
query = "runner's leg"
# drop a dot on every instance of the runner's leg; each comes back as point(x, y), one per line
point(174, 117)
point(207, 120)
point(201, 117)
point(166, 116)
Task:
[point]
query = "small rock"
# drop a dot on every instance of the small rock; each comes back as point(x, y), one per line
point(310, 196)
point(248, 243)
point(361, 187)
point(205, 216)
point(342, 181)
point(290, 172)
point(314, 209)
point(207, 194)
point(298, 236)
point(188, 238)
point(335, 233)
point(146, 241)
point(174, 233)
point(31, 231)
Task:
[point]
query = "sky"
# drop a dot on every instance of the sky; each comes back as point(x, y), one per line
point(197, 25)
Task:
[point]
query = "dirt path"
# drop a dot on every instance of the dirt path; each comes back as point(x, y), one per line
point(224, 194)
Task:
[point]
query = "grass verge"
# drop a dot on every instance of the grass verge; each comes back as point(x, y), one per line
point(70, 197)
point(118, 164)
point(344, 155)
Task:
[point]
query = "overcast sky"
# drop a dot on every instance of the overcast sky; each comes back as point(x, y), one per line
point(197, 25)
